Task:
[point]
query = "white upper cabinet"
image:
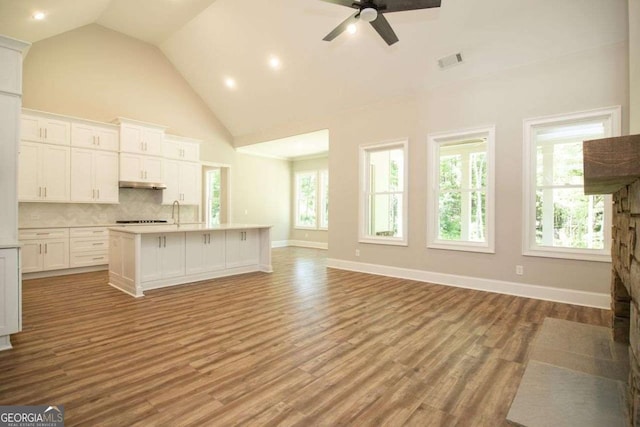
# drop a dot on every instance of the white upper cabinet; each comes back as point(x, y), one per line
point(180, 148)
point(139, 138)
point(98, 137)
point(183, 182)
point(44, 173)
point(37, 128)
point(94, 176)
point(136, 168)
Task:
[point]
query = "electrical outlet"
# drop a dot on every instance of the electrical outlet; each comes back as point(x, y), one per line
point(357, 252)
point(519, 270)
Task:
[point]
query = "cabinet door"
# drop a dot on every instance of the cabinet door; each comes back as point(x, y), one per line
point(171, 150)
point(214, 251)
point(56, 173)
point(9, 292)
point(107, 139)
point(82, 189)
point(241, 248)
point(190, 183)
point(55, 254)
point(131, 139)
point(173, 254)
point(28, 172)
point(30, 128)
point(56, 131)
point(150, 262)
point(195, 246)
point(83, 135)
point(105, 176)
point(130, 167)
point(172, 180)
point(152, 167)
point(152, 141)
point(190, 152)
point(31, 254)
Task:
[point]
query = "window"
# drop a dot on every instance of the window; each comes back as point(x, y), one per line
point(461, 203)
point(213, 195)
point(312, 199)
point(560, 220)
point(383, 195)
point(324, 199)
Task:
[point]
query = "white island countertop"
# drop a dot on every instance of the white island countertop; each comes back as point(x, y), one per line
point(175, 228)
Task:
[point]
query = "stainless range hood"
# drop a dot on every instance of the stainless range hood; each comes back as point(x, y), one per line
point(143, 185)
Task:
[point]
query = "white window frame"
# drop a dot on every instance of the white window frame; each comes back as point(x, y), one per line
point(321, 218)
point(363, 236)
point(612, 115)
point(297, 174)
point(441, 139)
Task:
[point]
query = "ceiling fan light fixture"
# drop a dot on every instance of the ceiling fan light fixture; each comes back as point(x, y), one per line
point(369, 14)
point(352, 29)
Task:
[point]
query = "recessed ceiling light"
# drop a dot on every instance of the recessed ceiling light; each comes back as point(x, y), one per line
point(351, 28)
point(39, 16)
point(231, 83)
point(274, 62)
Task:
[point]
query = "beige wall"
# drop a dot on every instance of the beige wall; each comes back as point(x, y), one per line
point(260, 189)
point(634, 66)
point(315, 236)
point(581, 81)
point(96, 73)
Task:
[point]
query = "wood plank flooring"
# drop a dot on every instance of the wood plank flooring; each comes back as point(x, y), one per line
point(303, 346)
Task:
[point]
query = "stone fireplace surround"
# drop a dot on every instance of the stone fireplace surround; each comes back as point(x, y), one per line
point(612, 166)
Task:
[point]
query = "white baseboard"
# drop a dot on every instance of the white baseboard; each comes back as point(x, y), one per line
point(64, 272)
point(306, 244)
point(546, 293)
point(279, 243)
point(5, 342)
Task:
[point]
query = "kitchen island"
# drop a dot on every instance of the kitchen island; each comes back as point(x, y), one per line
point(150, 257)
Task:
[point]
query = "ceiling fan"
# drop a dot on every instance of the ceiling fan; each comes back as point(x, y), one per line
point(372, 12)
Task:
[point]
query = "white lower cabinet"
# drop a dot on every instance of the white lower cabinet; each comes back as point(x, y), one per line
point(89, 246)
point(162, 256)
point(204, 251)
point(10, 291)
point(242, 248)
point(44, 249)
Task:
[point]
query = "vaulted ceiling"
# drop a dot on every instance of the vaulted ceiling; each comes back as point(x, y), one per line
point(209, 41)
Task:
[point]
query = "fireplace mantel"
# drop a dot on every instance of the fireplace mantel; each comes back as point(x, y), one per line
point(610, 163)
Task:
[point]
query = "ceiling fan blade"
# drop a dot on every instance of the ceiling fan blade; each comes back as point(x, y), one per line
point(343, 26)
point(348, 3)
point(400, 5)
point(382, 26)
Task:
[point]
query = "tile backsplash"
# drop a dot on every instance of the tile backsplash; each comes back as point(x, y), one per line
point(134, 204)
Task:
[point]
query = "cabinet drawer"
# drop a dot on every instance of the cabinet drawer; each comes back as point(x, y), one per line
point(80, 245)
point(43, 233)
point(87, 260)
point(90, 232)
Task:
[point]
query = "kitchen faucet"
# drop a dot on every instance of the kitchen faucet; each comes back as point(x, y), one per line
point(175, 202)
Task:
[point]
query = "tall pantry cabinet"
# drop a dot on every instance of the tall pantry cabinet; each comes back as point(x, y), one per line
point(10, 106)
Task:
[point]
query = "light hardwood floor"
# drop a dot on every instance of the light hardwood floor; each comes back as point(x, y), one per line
point(303, 346)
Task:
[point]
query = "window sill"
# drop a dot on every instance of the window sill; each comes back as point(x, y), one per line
point(301, 227)
point(390, 242)
point(461, 246)
point(575, 254)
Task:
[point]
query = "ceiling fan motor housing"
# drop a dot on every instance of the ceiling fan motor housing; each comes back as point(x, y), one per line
point(369, 14)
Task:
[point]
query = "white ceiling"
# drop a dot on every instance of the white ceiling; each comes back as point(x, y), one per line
point(209, 40)
point(293, 147)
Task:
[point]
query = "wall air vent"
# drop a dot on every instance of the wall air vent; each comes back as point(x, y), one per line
point(450, 61)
